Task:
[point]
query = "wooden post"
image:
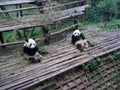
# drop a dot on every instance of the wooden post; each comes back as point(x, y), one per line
point(17, 13)
point(1, 38)
point(82, 18)
point(32, 31)
point(19, 34)
point(75, 22)
point(40, 4)
point(86, 1)
point(86, 4)
point(21, 12)
point(46, 34)
point(24, 32)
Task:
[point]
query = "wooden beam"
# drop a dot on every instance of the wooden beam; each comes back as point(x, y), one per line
point(22, 26)
point(63, 30)
point(15, 2)
point(18, 42)
point(2, 40)
point(55, 33)
point(21, 12)
point(34, 7)
point(65, 15)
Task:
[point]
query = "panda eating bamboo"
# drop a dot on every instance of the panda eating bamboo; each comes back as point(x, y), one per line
point(78, 39)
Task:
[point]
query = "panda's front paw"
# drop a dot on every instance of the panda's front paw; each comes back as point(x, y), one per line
point(92, 45)
point(39, 60)
point(32, 60)
point(35, 60)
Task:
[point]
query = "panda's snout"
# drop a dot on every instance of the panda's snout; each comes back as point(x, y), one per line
point(32, 46)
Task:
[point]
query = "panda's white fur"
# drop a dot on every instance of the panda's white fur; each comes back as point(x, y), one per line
point(30, 43)
point(31, 50)
point(77, 32)
point(77, 35)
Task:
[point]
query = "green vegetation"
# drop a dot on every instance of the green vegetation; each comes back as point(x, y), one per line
point(117, 79)
point(112, 24)
point(92, 64)
point(102, 9)
point(12, 35)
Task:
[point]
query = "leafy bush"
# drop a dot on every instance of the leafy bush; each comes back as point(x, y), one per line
point(105, 8)
point(92, 64)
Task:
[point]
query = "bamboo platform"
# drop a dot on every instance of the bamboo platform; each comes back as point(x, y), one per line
point(102, 78)
point(67, 58)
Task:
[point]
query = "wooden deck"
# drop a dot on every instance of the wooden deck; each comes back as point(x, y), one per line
point(66, 58)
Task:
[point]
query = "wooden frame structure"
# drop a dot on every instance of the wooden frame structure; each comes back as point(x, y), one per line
point(34, 20)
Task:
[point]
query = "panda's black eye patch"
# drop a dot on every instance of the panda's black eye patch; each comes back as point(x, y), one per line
point(30, 44)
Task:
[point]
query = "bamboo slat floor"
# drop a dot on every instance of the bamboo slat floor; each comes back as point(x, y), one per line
point(65, 59)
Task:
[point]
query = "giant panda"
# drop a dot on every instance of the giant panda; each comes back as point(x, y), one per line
point(31, 51)
point(78, 39)
point(77, 35)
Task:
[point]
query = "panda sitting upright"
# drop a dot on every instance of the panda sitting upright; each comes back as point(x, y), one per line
point(31, 50)
point(78, 39)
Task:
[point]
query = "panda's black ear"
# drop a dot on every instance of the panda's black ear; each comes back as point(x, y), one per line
point(33, 38)
point(26, 40)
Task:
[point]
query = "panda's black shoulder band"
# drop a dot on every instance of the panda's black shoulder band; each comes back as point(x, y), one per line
point(82, 36)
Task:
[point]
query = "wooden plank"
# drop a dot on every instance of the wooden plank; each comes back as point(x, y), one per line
point(44, 9)
point(34, 24)
point(47, 87)
point(15, 2)
point(67, 60)
point(65, 29)
point(43, 66)
point(108, 41)
point(27, 24)
point(24, 25)
point(18, 42)
point(108, 51)
point(53, 73)
point(62, 69)
point(50, 70)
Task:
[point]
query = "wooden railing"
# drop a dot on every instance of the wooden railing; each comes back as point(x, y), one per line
point(56, 13)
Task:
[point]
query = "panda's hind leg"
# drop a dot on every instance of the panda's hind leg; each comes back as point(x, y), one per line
point(80, 47)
